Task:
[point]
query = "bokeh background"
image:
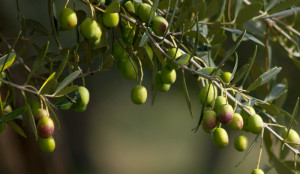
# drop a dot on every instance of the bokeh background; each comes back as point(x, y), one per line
point(114, 136)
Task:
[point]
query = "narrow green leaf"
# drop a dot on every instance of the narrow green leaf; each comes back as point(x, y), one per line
point(66, 91)
point(276, 92)
point(201, 9)
point(293, 117)
point(232, 49)
point(283, 5)
point(38, 61)
point(53, 114)
point(67, 81)
point(14, 114)
point(171, 19)
point(62, 65)
point(248, 12)
point(282, 13)
point(250, 65)
point(144, 40)
point(271, 4)
point(36, 27)
point(153, 10)
point(235, 67)
point(7, 60)
point(16, 128)
point(247, 35)
point(248, 151)
point(46, 82)
point(238, 5)
point(264, 78)
point(186, 94)
point(114, 7)
point(280, 166)
point(222, 10)
point(240, 74)
point(30, 115)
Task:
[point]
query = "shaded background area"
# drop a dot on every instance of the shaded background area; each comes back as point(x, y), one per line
point(115, 136)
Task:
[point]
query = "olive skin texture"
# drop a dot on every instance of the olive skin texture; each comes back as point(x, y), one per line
point(209, 121)
point(38, 114)
point(174, 53)
point(45, 127)
point(83, 97)
point(293, 137)
point(255, 124)
point(47, 144)
point(110, 19)
point(90, 29)
point(245, 115)
point(118, 51)
point(130, 69)
point(168, 75)
point(225, 76)
point(237, 122)
point(67, 19)
point(241, 143)
point(225, 114)
point(257, 171)
point(129, 5)
point(220, 137)
point(159, 25)
point(220, 100)
point(128, 33)
point(208, 94)
point(139, 94)
point(159, 84)
point(144, 12)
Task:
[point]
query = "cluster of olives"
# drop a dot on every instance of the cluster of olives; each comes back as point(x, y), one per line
point(219, 111)
point(45, 127)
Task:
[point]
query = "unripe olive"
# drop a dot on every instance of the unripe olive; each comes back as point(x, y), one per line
point(208, 94)
point(7, 109)
point(67, 19)
point(144, 12)
point(174, 53)
point(83, 97)
point(130, 69)
point(257, 171)
point(34, 106)
point(159, 25)
point(168, 75)
point(38, 114)
point(110, 19)
point(245, 115)
point(149, 51)
point(255, 124)
point(293, 137)
point(237, 122)
point(128, 33)
point(225, 114)
point(47, 144)
point(225, 76)
point(90, 29)
point(45, 127)
point(209, 121)
point(139, 94)
point(220, 137)
point(220, 100)
point(241, 143)
point(159, 84)
point(129, 5)
point(118, 51)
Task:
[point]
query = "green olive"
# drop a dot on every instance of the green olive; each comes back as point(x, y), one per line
point(159, 25)
point(237, 122)
point(139, 94)
point(208, 94)
point(83, 97)
point(220, 137)
point(159, 84)
point(144, 12)
point(110, 19)
point(209, 120)
point(174, 53)
point(47, 144)
point(130, 69)
point(257, 171)
point(128, 33)
point(168, 75)
point(220, 100)
point(67, 19)
point(90, 29)
point(241, 143)
point(255, 124)
point(225, 76)
point(293, 137)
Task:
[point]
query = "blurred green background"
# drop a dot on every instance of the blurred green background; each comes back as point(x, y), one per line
point(114, 136)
